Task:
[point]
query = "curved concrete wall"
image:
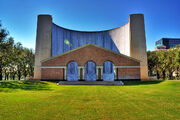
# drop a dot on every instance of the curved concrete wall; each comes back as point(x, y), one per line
point(120, 36)
point(116, 39)
point(75, 39)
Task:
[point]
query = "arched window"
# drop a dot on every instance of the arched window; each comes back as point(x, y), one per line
point(90, 71)
point(72, 71)
point(108, 71)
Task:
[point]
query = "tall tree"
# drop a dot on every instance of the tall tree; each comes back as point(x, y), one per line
point(173, 59)
point(14, 58)
point(30, 56)
point(5, 48)
point(162, 64)
point(19, 55)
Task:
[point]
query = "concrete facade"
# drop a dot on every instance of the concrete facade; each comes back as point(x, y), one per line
point(43, 42)
point(128, 39)
point(138, 42)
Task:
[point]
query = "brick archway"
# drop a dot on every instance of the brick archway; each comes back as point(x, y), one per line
point(56, 67)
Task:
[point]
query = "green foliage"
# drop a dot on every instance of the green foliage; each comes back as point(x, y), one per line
point(15, 60)
point(164, 63)
point(152, 61)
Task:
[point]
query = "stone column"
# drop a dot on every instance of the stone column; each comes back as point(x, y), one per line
point(115, 73)
point(43, 42)
point(102, 73)
point(79, 71)
point(138, 43)
point(83, 73)
point(65, 73)
point(97, 72)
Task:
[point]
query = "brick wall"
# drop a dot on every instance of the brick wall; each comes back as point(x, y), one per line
point(52, 73)
point(128, 73)
point(91, 53)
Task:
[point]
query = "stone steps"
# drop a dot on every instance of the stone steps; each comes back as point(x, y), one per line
point(90, 83)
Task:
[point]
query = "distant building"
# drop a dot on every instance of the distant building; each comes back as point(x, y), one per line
point(166, 43)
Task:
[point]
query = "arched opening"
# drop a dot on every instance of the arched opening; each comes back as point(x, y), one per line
point(90, 71)
point(108, 71)
point(72, 71)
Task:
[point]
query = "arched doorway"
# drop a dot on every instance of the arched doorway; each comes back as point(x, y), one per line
point(72, 71)
point(90, 71)
point(108, 71)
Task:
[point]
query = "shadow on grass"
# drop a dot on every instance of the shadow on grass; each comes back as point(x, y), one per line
point(25, 85)
point(142, 82)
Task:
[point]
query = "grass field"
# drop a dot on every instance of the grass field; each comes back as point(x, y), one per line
point(157, 100)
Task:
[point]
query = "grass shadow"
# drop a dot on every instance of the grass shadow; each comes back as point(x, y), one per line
point(126, 83)
point(25, 85)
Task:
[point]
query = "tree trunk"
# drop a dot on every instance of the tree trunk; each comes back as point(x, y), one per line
point(25, 74)
point(170, 76)
point(7, 76)
point(19, 77)
point(150, 72)
point(1, 76)
point(13, 76)
point(164, 74)
point(157, 74)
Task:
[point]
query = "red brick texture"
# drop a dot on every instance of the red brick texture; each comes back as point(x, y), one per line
point(52, 73)
point(90, 53)
point(128, 73)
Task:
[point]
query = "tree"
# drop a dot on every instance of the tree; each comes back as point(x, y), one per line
point(30, 56)
point(173, 60)
point(152, 61)
point(7, 57)
point(5, 49)
point(24, 61)
point(19, 54)
point(164, 63)
point(14, 58)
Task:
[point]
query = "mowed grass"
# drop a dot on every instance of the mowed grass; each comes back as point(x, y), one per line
point(27, 100)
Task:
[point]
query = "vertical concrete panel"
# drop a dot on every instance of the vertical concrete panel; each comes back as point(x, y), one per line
point(99, 39)
point(57, 40)
point(43, 42)
point(138, 42)
point(120, 38)
point(74, 40)
point(67, 37)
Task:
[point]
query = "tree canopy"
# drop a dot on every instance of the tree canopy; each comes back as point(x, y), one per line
point(165, 63)
point(16, 61)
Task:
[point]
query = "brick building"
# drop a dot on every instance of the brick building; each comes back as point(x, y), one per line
point(116, 54)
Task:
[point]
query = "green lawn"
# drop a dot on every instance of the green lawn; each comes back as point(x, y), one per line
point(47, 101)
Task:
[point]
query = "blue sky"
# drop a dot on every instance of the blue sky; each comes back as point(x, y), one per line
point(19, 17)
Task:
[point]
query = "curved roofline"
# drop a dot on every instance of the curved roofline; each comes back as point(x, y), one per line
point(90, 31)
